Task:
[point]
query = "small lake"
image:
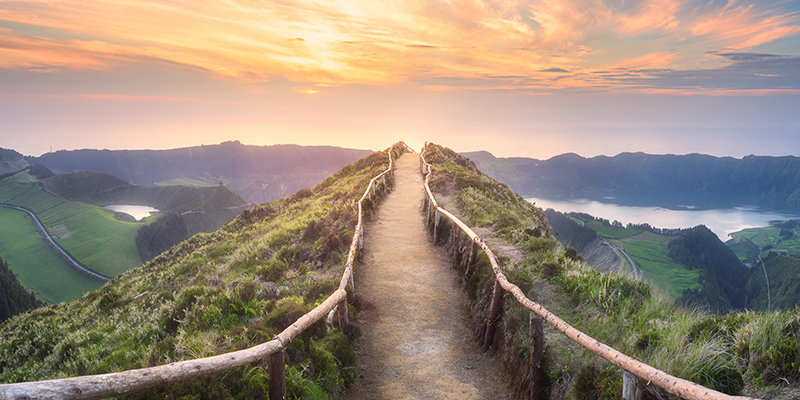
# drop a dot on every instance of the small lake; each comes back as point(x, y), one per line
point(137, 212)
point(723, 214)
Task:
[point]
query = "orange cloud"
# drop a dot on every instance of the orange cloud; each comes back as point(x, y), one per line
point(327, 43)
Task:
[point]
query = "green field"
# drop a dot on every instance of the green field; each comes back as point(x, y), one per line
point(96, 238)
point(760, 236)
point(612, 232)
point(660, 270)
point(650, 253)
point(36, 264)
point(770, 236)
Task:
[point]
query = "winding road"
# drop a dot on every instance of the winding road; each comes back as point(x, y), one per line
point(57, 246)
point(633, 264)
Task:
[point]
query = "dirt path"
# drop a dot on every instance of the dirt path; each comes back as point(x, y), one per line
point(415, 341)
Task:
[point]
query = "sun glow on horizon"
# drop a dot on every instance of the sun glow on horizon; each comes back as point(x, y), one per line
point(364, 73)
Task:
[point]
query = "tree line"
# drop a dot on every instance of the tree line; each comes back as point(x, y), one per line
point(14, 299)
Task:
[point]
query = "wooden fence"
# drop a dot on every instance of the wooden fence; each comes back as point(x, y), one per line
point(134, 381)
point(676, 386)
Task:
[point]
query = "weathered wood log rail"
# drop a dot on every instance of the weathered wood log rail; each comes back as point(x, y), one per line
point(138, 380)
point(680, 387)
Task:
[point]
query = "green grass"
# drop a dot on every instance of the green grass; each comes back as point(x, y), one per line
point(792, 246)
point(36, 264)
point(97, 239)
point(760, 236)
point(663, 273)
point(612, 232)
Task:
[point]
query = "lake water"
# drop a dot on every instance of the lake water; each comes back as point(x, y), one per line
point(137, 212)
point(723, 214)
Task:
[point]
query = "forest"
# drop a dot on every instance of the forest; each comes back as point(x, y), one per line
point(14, 299)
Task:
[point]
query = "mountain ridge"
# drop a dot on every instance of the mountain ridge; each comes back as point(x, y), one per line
point(570, 175)
point(256, 173)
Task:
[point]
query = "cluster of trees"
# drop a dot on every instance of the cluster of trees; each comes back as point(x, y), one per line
point(568, 232)
point(722, 276)
point(161, 235)
point(14, 299)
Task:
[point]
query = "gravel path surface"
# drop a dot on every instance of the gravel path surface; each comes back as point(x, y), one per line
point(415, 341)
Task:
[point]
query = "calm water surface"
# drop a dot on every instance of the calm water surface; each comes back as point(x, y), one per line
point(723, 214)
point(137, 212)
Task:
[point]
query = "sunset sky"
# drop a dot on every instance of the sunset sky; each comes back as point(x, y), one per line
point(532, 78)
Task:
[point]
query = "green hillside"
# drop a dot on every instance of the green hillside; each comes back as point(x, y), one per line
point(784, 284)
point(100, 239)
point(782, 237)
point(659, 269)
point(747, 251)
point(37, 266)
point(212, 294)
point(92, 234)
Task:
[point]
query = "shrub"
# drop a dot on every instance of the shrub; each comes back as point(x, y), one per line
point(272, 271)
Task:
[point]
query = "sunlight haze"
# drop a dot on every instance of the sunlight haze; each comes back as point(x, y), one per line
point(527, 78)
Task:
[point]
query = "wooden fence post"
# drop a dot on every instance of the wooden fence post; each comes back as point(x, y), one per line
point(537, 353)
point(343, 319)
point(277, 376)
point(456, 236)
point(630, 387)
point(473, 254)
point(428, 217)
point(495, 311)
point(436, 226)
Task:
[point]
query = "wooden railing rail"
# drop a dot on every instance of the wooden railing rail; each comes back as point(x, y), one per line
point(137, 380)
point(676, 386)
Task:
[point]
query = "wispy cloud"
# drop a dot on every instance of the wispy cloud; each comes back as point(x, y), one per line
point(456, 44)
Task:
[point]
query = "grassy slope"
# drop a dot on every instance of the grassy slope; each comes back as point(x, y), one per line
point(208, 295)
point(719, 352)
point(784, 284)
point(767, 236)
point(760, 236)
point(661, 271)
point(97, 240)
point(649, 251)
point(35, 263)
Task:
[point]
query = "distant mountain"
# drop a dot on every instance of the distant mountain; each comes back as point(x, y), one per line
point(11, 161)
point(570, 175)
point(256, 173)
